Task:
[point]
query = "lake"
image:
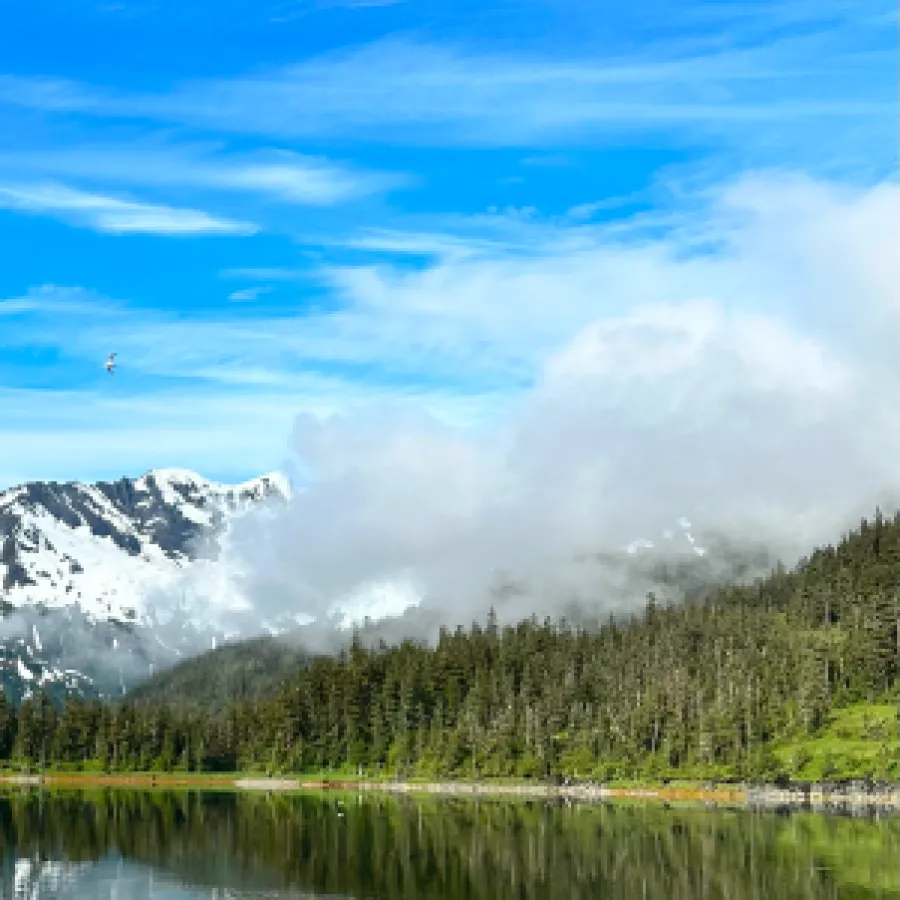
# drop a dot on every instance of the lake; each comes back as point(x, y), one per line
point(142, 845)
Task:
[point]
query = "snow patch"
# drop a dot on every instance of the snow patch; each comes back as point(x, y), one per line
point(23, 671)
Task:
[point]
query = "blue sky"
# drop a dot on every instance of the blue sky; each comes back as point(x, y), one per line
point(273, 209)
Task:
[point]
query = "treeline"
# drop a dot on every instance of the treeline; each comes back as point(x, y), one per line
point(702, 689)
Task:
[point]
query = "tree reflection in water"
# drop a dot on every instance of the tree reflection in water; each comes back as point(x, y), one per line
point(135, 845)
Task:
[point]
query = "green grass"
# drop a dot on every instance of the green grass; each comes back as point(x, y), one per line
point(859, 741)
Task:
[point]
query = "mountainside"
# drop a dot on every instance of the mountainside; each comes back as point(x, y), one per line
point(101, 584)
point(243, 670)
point(105, 585)
point(794, 676)
point(676, 568)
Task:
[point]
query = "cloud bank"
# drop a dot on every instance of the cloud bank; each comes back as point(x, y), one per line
point(741, 372)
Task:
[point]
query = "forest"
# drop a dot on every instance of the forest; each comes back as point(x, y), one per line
point(794, 676)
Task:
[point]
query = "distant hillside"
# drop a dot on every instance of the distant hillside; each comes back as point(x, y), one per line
point(253, 668)
point(245, 670)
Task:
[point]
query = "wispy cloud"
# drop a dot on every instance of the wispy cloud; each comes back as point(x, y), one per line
point(468, 324)
point(53, 300)
point(561, 402)
point(444, 245)
point(764, 99)
point(278, 174)
point(52, 94)
point(265, 274)
point(247, 295)
point(115, 215)
point(468, 320)
point(550, 383)
point(585, 211)
point(293, 9)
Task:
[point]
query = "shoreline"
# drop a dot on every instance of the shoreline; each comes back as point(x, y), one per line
point(850, 796)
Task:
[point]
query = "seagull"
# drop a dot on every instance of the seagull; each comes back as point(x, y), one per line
point(111, 363)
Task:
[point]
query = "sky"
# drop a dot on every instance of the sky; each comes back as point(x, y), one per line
point(476, 272)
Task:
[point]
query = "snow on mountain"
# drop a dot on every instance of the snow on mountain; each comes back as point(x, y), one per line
point(101, 583)
point(669, 540)
point(104, 545)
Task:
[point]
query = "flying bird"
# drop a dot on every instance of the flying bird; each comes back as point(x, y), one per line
point(111, 363)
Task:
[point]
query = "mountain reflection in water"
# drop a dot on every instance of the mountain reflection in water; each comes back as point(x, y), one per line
point(122, 845)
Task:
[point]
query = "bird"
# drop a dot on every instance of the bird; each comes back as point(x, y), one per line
point(111, 363)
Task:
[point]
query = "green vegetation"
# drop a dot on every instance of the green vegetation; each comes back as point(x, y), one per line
point(795, 676)
point(858, 741)
point(245, 671)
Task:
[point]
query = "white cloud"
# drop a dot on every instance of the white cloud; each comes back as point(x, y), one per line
point(509, 412)
point(115, 215)
point(53, 300)
point(265, 274)
point(751, 390)
point(232, 429)
point(490, 320)
point(282, 175)
point(585, 211)
point(420, 243)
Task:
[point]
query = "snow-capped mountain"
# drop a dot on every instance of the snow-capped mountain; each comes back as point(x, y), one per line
point(101, 583)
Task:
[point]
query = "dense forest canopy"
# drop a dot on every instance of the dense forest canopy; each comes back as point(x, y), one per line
point(732, 686)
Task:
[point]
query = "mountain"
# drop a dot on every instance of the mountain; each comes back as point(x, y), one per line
point(102, 584)
point(675, 568)
point(105, 585)
point(794, 676)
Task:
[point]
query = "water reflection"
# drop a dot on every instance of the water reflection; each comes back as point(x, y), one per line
point(186, 846)
point(114, 878)
point(117, 879)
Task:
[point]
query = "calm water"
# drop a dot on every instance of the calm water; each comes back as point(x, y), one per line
point(178, 846)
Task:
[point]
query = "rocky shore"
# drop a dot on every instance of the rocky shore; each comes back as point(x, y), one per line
point(854, 797)
point(851, 797)
point(858, 797)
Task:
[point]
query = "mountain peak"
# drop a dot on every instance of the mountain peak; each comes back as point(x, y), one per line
point(172, 475)
point(112, 558)
point(176, 479)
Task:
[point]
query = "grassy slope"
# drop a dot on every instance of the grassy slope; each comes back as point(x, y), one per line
point(856, 742)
